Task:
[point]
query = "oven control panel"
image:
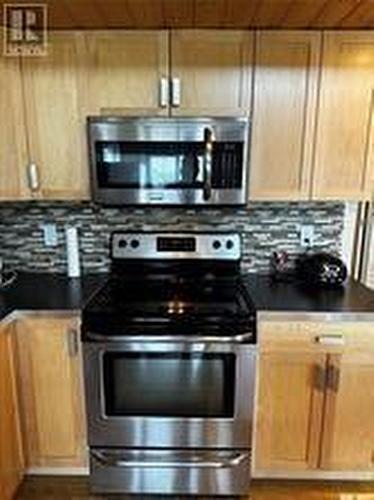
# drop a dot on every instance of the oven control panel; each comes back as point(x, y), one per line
point(162, 246)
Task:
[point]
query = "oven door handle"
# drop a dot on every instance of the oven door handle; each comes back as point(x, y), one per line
point(196, 461)
point(207, 162)
point(236, 339)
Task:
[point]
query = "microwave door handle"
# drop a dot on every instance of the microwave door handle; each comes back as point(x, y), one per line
point(207, 163)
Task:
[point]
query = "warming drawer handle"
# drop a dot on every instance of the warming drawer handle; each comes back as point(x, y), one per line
point(111, 460)
point(236, 339)
point(330, 339)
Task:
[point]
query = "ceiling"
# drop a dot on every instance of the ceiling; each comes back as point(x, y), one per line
point(102, 14)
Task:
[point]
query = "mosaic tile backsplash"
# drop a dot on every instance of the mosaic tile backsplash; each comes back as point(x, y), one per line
point(264, 227)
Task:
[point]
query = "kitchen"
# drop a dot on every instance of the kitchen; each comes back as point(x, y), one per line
point(163, 166)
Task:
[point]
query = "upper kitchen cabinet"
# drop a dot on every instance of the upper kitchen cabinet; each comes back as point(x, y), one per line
point(55, 126)
point(126, 73)
point(285, 93)
point(344, 153)
point(13, 156)
point(211, 72)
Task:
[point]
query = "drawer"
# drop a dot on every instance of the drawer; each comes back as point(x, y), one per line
point(315, 336)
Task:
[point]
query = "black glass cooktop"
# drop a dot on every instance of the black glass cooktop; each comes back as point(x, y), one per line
point(170, 305)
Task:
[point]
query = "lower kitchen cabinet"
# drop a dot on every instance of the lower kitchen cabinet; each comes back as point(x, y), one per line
point(348, 434)
point(51, 392)
point(289, 415)
point(11, 454)
point(315, 401)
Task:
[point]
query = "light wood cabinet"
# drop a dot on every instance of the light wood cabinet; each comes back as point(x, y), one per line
point(285, 93)
point(315, 402)
point(344, 152)
point(289, 415)
point(11, 453)
point(55, 123)
point(51, 393)
point(13, 155)
point(124, 72)
point(213, 70)
point(348, 434)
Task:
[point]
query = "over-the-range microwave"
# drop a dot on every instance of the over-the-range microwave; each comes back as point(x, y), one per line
point(169, 161)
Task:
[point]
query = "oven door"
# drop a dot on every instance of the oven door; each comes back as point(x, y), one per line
point(168, 161)
point(169, 395)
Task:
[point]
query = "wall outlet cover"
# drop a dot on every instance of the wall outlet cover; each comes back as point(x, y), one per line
point(307, 236)
point(50, 235)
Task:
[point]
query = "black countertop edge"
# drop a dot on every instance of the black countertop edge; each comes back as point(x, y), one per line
point(47, 291)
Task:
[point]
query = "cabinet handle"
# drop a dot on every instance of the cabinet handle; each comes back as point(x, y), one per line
point(319, 376)
point(333, 377)
point(176, 91)
point(72, 342)
point(330, 339)
point(164, 92)
point(33, 177)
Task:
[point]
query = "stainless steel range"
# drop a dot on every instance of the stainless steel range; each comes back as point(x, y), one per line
point(169, 360)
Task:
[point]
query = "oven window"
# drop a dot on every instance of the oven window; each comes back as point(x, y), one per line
point(166, 165)
point(169, 385)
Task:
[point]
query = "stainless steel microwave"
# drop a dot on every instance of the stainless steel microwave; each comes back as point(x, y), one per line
point(168, 161)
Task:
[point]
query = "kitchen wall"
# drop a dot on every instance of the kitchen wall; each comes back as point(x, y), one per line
point(265, 227)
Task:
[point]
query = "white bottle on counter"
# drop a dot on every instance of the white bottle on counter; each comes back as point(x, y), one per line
point(72, 252)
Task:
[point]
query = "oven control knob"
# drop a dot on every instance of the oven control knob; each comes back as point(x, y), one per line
point(229, 244)
point(134, 243)
point(216, 244)
point(122, 243)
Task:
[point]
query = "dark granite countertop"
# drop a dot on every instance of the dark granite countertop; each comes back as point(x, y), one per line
point(288, 297)
point(57, 292)
point(46, 291)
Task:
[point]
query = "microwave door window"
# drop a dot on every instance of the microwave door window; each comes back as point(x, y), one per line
point(149, 165)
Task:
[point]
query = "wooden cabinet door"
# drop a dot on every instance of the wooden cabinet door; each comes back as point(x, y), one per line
point(348, 432)
point(284, 113)
point(51, 392)
point(11, 453)
point(124, 72)
point(344, 154)
point(13, 155)
point(289, 411)
point(55, 124)
point(214, 69)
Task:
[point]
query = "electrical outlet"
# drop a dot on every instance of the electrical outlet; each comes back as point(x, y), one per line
point(306, 236)
point(50, 235)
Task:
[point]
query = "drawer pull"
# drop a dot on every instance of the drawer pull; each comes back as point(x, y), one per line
point(330, 339)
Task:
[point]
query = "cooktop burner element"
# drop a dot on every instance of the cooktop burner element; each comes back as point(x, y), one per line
point(172, 284)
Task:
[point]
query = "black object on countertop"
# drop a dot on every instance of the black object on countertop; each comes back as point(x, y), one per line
point(46, 291)
point(321, 270)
